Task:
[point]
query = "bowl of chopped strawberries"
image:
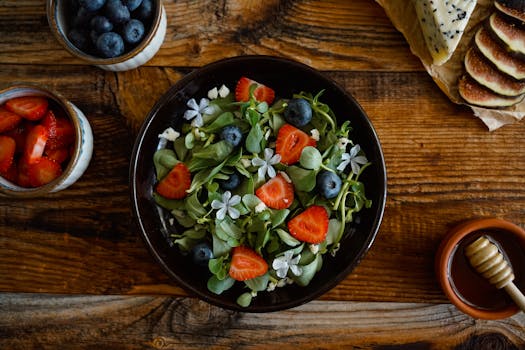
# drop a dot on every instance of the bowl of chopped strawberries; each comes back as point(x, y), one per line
point(46, 142)
point(258, 183)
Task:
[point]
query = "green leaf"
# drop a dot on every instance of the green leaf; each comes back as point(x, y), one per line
point(220, 247)
point(311, 158)
point(262, 107)
point(287, 238)
point(308, 272)
point(258, 284)
point(183, 218)
point(279, 216)
point(169, 204)
point(218, 286)
point(216, 152)
point(254, 138)
point(334, 227)
point(189, 140)
point(222, 120)
point(244, 299)
point(194, 207)
point(250, 201)
point(164, 160)
point(304, 180)
point(180, 148)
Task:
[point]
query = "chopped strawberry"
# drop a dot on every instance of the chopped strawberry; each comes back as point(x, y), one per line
point(11, 174)
point(311, 225)
point(43, 171)
point(246, 264)
point(50, 123)
point(19, 134)
point(29, 107)
point(64, 135)
point(7, 152)
point(35, 144)
point(8, 119)
point(261, 92)
point(23, 173)
point(59, 155)
point(175, 184)
point(277, 193)
point(291, 142)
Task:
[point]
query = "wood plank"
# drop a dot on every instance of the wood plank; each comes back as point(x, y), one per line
point(121, 322)
point(443, 167)
point(340, 34)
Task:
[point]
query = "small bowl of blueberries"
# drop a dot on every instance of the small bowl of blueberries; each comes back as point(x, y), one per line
point(114, 35)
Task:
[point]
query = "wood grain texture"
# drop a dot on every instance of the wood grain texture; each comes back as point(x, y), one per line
point(120, 322)
point(345, 34)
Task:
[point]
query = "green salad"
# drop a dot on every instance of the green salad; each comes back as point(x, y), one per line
point(260, 189)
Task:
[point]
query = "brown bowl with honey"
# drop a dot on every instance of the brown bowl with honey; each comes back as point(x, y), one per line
point(469, 291)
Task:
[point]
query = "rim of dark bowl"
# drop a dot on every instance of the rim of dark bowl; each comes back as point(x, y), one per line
point(379, 163)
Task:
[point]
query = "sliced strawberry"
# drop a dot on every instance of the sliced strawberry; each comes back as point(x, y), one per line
point(43, 171)
point(261, 92)
point(8, 120)
point(29, 107)
point(291, 142)
point(277, 193)
point(64, 135)
point(246, 264)
point(7, 152)
point(175, 184)
point(35, 144)
point(59, 155)
point(23, 173)
point(19, 134)
point(50, 123)
point(10, 174)
point(311, 225)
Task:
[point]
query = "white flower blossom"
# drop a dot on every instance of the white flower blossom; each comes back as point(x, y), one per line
point(315, 134)
point(169, 134)
point(226, 206)
point(354, 159)
point(197, 110)
point(286, 262)
point(265, 165)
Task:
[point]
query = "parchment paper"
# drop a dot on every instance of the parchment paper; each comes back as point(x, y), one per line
point(403, 16)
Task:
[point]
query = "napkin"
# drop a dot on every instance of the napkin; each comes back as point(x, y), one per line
point(403, 16)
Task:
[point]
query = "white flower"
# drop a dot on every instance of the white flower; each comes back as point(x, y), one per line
point(169, 134)
point(197, 110)
point(315, 134)
point(286, 262)
point(354, 160)
point(265, 165)
point(227, 206)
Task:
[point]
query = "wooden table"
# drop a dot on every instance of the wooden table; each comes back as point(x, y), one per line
point(75, 273)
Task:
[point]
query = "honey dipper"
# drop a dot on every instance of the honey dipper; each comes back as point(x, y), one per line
point(486, 258)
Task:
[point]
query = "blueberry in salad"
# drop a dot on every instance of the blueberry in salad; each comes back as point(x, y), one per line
point(271, 195)
point(201, 253)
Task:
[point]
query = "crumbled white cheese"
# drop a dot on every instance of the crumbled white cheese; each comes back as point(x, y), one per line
point(314, 248)
point(213, 94)
point(315, 134)
point(271, 286)
point(170, 134)
point(224, 91)
point(246, 162)
point(443, 23)
point(267, 134)
point(342, 142)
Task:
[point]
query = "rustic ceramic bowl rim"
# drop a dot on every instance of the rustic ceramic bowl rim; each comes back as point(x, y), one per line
point(25, 192)
point(447, 249)
point(136, 194)
point(52, 8)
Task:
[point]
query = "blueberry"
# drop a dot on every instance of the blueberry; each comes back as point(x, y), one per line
point(79, 39)
point(101, 24)
point(231, 183)
point(132, 4)
point(82, 18)
point(92, 5)
point(231, 134)
point(133, 31)
point(110, 44)
point(329, 184)
point(144, 11)
point(117, 12)
point(298, 112)
point(201, 254)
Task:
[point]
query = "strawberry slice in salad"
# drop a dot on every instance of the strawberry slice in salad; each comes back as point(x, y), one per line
point(246, 264)
point(277, 193)
point(176, 183)
point(290, 143)
point(28, 107)
point(261, 92)
point(311, 225)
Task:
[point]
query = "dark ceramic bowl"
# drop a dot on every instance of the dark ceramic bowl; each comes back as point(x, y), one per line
point(286, 77)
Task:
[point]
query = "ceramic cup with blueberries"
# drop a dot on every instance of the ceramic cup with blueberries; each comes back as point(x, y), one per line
point(111, 34)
